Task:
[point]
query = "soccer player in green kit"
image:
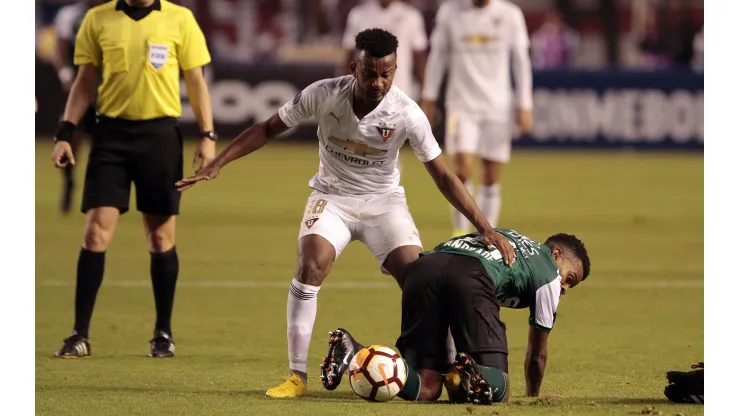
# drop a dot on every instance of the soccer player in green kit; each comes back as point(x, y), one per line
point(461, 285)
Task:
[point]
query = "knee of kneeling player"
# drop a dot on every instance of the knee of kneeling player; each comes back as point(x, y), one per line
point(431, 390)
point(508, 390)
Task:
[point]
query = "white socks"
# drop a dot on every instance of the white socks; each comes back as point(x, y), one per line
point(489, 202)
point(302, 304)
point(460, 224)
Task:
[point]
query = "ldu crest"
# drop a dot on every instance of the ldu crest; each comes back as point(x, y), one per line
point(386, 131)
point(310, 222)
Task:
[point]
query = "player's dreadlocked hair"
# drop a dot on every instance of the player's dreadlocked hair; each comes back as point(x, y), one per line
point(575, 246)
point(376, 42)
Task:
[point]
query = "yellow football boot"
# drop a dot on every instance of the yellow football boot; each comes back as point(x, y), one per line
point(452, 384)
point(293, 386)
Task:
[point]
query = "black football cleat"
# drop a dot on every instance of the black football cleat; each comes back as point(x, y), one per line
point(75, 346)
point(686, 386)
point(473, 385)
point(342, 347)
point(162, 345)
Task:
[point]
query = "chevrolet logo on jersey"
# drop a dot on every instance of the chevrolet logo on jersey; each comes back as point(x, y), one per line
point(358, 149)
point(479, 39)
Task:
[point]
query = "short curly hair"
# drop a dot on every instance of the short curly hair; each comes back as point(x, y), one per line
point(573, 245)
point(376, 42)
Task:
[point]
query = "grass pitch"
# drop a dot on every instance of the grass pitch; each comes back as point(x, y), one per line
point(638, 315)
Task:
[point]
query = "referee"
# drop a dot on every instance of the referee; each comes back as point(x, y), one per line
point(139, 47)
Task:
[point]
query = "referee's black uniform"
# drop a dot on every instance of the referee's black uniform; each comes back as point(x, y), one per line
point(139, 52)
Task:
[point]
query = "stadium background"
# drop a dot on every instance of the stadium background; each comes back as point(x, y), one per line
point(637, 202)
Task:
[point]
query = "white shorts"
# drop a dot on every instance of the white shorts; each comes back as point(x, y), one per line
point(475, 135)
point(382, 222)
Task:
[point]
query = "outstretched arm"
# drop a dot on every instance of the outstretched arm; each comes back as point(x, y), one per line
point(301, 107)
point(251, 139)
point(541, 320)
point(535, 361)
point(245, 143)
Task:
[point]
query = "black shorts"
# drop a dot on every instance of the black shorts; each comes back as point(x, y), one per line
point(451, 291)
point(147, 153)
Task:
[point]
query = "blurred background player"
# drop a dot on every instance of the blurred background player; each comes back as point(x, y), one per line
point(462, 285)
point(136, 140)
point(363, 122)
point(407, 24)
point(697, 43)
point(479, 42)
point(554, 44)
point(66, 25)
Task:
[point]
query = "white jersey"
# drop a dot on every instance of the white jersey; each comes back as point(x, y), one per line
point(479, 46)
point(401, 19)
point(67, 18)
point(360, 157)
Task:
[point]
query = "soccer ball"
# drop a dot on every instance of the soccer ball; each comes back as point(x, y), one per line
point(377, 373)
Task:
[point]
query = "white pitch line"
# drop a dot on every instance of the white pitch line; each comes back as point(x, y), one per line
point(647, 284)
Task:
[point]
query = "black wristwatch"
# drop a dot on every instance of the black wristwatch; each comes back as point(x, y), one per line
point(211, 135)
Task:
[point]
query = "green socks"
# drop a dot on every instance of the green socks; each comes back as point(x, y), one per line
point(496, 380)
point(412, 387)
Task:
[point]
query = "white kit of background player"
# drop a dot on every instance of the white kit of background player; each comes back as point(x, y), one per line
point(407, 24)
point(478, 43)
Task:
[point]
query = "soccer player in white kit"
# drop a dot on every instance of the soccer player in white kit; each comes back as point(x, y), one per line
point(363, 121)
point(407, 24)
point(478, 42)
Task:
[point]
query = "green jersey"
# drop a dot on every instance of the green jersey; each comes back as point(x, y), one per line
point(531, 282)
